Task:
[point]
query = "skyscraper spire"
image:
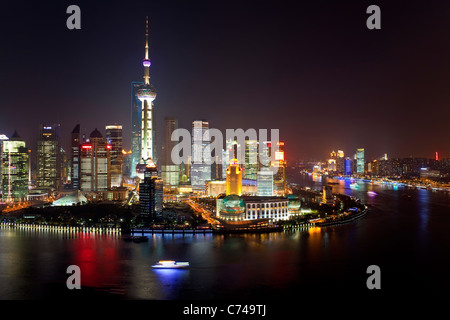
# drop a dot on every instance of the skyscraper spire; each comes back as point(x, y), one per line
point(146, 94)
point(146, 61)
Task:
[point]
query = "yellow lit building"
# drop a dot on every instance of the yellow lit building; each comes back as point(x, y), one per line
point(234, 178)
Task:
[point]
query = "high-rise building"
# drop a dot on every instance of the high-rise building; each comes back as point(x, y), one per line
point(264, 182)
point(95, 164)
point(360, 161)
point(114, 139)
point(340, 161)
point(279, 177)
point(136, 122)
point(151, 193)
point(251, 159)
point(347, 166)
point(232, 151)
point(170, 172)
point(201, 158)
point(234, 178)
point(146, 94)
point(2, 138)
point(75, 157)
point(15, 169)
point(49, 158)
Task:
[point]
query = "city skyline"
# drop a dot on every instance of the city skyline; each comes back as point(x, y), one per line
point(310, 81)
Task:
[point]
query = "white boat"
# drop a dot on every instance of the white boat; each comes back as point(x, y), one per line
point(170, 264)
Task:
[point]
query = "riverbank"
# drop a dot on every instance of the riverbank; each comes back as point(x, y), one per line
point(25, 226)
point(341, 219)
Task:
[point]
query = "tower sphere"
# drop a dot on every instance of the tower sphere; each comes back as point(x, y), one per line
point(146, 63)
point(146, 93)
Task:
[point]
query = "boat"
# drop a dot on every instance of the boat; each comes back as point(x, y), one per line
point(170, 264)
point(354, 185)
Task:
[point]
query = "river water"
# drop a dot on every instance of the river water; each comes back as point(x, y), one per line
point(407, 237)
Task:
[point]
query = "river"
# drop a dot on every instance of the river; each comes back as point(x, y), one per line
point(406, 233)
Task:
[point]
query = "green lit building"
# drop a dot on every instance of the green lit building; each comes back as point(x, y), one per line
point(49, 164)
point(15, 169)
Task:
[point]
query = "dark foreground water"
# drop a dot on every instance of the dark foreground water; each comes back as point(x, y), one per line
point(407, 237)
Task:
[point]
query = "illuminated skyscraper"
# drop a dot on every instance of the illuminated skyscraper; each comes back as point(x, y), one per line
point(114, 139)
point(264, 182)
point(15, 169)
point(232, 150)
point(360, 161)
point(75, 156)
point(170, 172)
point(234, 178)
point(279, 164)
point(146, 94)
point(49, 158)
point(2, 138)
point(151, 192)
point(347, 166)
point(251, 159)
point(95, 164)
point(136, 122)
point(201, 164)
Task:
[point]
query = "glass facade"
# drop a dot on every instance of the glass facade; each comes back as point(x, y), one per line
point(251, 159)
point(49, 162)
point(136, 119)
point(151, 193)
point(360, 161)
point(201, 164)
point(15, 169)
point(114, 139)
point(265, 182)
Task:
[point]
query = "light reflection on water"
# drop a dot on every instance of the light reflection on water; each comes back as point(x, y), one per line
point(397, 231)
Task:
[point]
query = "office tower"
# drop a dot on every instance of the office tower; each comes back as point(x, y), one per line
point(279, 164)
point(360, 161)
point(136, 121)
point(347, 166)
point(264, 154)
point(95, 164)
point(151, 193)
point(232, 151)
point(251, 159)
point(49, 158)
point(264, 182)
point(75, 157)
point(64, 169)
point(170, 172)
point(216, 167)
point(2, 138)
point(234, 178)
point(201, 157)
point(15, 169)
point(340, 161)
point(146, 94)
point(114, 139)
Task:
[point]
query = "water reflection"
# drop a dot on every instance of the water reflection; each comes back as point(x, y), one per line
point(170, 281)
point(278, 265)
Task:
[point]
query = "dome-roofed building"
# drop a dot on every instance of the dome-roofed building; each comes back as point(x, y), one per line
point(75, 198)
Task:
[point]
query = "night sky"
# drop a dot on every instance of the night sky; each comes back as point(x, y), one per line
point(309, 68)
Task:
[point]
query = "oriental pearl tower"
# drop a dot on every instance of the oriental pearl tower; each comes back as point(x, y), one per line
point(146, 95)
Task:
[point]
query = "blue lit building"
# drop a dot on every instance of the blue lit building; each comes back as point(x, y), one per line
point(136, 119)
point(347, 166)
